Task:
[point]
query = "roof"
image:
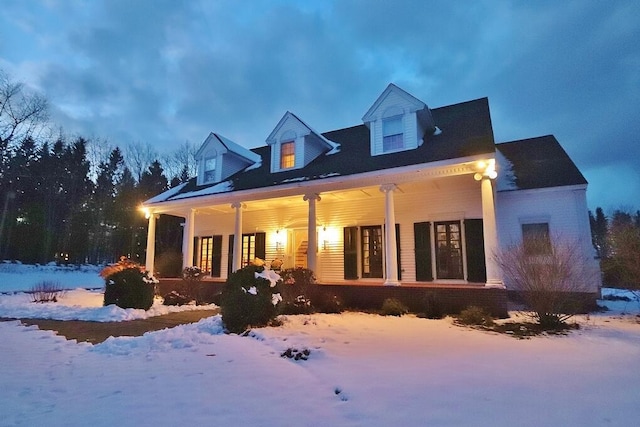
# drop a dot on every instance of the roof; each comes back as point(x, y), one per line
point(465, 130)
point(540, 163)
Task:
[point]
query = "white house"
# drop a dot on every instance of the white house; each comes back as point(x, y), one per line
point(412, 197)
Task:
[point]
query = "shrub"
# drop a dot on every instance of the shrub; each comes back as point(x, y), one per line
point(328, 303)
point(298, 291)
point(249, 298)
point(46, 291)
point(474, 316)
point(128, 285)
point(169, 264)
point(432, 306)
point(393, 307)
point(549, 274)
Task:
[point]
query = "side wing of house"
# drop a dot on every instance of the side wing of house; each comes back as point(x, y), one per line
point(543, 192)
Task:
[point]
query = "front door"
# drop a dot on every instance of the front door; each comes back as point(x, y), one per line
point(372, 252)
point(448, 250)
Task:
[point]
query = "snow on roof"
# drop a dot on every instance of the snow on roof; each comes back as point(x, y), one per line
point(166, 195)
point(221, 187)
point(506, 178)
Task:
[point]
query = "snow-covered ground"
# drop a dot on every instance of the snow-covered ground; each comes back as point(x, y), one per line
point(21, 277)
point(363, 370)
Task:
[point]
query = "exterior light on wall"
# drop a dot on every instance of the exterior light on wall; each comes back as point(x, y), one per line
point(280, 239)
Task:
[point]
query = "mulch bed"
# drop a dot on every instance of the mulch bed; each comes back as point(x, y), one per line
point(97, 332)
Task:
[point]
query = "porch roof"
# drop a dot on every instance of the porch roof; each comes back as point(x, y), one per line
point(465, 131)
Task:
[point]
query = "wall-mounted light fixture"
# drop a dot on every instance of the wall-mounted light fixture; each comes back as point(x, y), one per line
point(486, 169)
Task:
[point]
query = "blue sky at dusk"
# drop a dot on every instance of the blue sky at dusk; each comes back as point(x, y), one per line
point(165, 72)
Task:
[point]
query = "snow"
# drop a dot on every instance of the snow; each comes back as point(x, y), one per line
point(221, 187)
point(363, 370)
point(21, 277)
point(506, 177)
point(167, 194)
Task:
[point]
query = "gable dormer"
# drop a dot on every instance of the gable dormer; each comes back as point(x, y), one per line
point(294, 144)
point(397, 121)
point(218, 158)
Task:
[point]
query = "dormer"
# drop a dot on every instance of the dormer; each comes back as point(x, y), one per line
point(294, 144)
point(218, 158)
point(397, 121)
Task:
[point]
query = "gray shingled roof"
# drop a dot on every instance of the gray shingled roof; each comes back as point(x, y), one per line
point(465, 131)
point(540, 163)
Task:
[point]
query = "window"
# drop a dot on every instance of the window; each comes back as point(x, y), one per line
point(210, 169)
point(448, 250)
point(535, 238)
point(372, 253)
point(205, 253)
point(287, 155)
point(248, 248)
point(392, 134)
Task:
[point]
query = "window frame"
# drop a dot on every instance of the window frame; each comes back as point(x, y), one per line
point(210, 173)
point(393, 141)
point(287, 154)
point(536, 238)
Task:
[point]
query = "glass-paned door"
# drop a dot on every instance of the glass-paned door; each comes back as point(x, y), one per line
point(448, 250)
point(205, 254)
point(372, 253)
point(248, 249)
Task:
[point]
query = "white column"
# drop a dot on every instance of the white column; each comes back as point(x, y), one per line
point(151, 243)
point(489, 229)
point(390, 248)
point(187, 238)
point(312, 248)
point(237, 239)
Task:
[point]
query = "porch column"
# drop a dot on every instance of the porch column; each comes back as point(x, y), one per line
point(490, 233)
point(187, 238)
point(312, 248)
point(237, 238)
point(390, 248)
point(151, 243)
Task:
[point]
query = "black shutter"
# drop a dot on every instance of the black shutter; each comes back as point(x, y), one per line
point(261, 244)
point(422, 238)
point(398, 251)
point(474, 236)
point(216, 259)
point(350, 253)
point(230, 260)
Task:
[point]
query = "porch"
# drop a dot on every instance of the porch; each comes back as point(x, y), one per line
point(450, 298)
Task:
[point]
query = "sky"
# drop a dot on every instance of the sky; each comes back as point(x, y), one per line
point(166, 72)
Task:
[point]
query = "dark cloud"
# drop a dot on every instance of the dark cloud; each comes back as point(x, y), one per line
point(164, 71)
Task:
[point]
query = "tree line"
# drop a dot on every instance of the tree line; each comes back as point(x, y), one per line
point(75, 199)
point(616, 239)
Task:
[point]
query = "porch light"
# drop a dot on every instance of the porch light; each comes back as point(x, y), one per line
point(280, 237)
point(327, 235)
point(486, 169)
point(145, 211)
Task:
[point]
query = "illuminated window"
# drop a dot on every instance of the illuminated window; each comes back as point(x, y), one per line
point(287, 155)
point(248, 248)
point(210, 169)
point(392, 134)
point(206, 251)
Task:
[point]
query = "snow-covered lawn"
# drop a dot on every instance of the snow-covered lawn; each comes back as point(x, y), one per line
point(363, 370)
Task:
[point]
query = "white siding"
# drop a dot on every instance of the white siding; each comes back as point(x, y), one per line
point(565, 210)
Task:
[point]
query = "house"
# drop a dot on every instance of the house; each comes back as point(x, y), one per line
point(413, 197)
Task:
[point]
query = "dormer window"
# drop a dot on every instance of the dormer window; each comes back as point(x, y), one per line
point(392, 134)
point(210, 169)
point(287, 154)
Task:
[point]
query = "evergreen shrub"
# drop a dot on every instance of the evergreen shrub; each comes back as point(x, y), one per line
point(128, 285)
point(393, 307)
point(250, 298)
point(299, 295)
point(476, 316)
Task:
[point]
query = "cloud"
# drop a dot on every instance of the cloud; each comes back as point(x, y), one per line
point(164, 71)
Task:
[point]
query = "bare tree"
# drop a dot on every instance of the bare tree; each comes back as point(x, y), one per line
point(181, 162)
point(98, 151)
point(138, 156)
point(552, 275)
point(22, 113)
